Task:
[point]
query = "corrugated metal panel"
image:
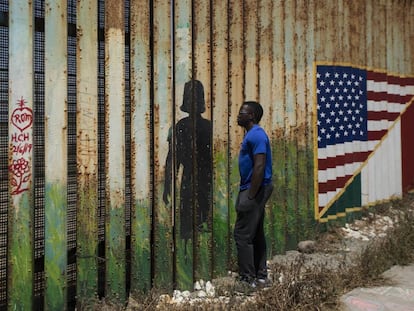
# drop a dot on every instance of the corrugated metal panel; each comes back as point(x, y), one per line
point(220, 112)
point(310, 97)
point(163, 121)
point(265, 92)
point(278, 134)
point(301, 130)
point(55, 155)
point(236, 96)
point(115, 151)
point(141, 163)
point(182, 153)
point(21, 75)
point(203, 268)
point(291, 123)
point(250, 46)
point(87, 148)
point(180, 223)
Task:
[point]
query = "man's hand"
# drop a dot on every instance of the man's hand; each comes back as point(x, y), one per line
point(245, 204)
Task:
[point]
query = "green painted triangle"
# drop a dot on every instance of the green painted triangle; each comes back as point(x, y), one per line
point(350, 198)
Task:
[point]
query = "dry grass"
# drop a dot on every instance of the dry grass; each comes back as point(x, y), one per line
point(317, 286)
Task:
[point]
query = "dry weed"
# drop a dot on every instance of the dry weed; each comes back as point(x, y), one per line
point(300, 286)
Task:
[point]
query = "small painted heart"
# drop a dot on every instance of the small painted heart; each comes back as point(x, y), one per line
point(22, 118)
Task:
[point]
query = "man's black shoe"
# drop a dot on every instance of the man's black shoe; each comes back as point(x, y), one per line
point(244, 286)
point(263, 283)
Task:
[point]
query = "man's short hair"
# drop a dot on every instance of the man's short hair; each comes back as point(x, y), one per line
point(257, 109)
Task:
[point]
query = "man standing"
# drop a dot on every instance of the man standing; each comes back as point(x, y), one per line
point(255, 166)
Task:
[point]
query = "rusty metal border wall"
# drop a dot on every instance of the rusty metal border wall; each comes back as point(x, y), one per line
point(119, 140)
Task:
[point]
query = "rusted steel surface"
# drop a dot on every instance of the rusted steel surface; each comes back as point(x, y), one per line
point(279, 69)
point(251, 53)
point(163, 121)
point(277, 114)
point(236, 97)
point(376, 41)
point(237, 82)
point(290, 65)
point(301, 46)
point(396, 12)
point(55, 155)
point(192, 64)
point(310, 96)
point(87, 148)
point(265, 34)
point(115, 151)
point(20, 235)
point(291, 160)
point(203, 268)
point(182, 153)
point(141, 146)
point(219, 98)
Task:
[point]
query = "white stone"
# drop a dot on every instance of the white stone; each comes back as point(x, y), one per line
point(186, 294)
point(179, 299)
point(176, 294)
point(197, 286)
point(281, 278)
point(210, 290)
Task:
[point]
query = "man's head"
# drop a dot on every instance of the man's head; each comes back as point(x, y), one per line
point(250, 113)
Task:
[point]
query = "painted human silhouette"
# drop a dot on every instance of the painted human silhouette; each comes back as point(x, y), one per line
point(193, 154)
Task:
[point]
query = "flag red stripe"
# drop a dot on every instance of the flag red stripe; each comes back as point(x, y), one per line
point(377, 76)
point(382, 115)
point(376, 135)
point(400, 80)
point(383, 77)
point(332, 185)
point(347, 158)
point(390, 98)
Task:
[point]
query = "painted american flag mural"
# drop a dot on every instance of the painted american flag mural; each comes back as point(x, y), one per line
point(360, 148)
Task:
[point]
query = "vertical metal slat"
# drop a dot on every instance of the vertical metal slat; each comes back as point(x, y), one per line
point(20, 251)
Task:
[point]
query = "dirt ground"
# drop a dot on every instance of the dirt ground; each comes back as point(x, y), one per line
point(333, 249)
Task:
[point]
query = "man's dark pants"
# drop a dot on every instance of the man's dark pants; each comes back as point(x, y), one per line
point(249, 233)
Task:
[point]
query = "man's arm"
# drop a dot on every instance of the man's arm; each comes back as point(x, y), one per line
point(258, 174)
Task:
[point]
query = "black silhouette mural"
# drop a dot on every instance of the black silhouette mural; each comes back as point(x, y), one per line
point(193, 155)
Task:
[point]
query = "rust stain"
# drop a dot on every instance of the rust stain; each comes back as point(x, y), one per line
point(114, 11)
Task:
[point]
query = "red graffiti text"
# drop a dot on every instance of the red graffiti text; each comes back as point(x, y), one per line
point(21, 146)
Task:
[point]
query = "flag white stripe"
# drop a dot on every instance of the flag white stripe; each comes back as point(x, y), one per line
point(379, 125)
point(332, 174)
point(348, 147)
point(385, 106)
point(393, 89)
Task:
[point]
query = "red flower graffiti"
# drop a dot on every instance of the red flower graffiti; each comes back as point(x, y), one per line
point(20, 169)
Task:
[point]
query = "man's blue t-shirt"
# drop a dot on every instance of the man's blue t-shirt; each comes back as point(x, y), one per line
point(254, 142)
